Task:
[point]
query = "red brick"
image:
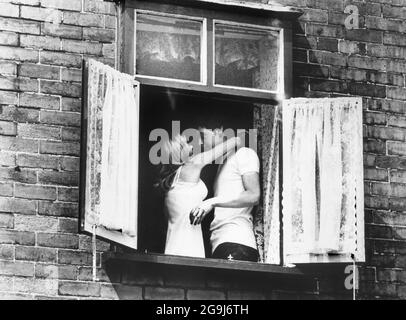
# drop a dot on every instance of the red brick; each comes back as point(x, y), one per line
point(58, 178)
point(376, 202)
point(18, 84)
point(67, 225)
point(16, 268)
point(73, 5)
point(41, 14)
point(58, 240)
point(38, 71)
point(70, 164)
point(321, 30)
point(7, 158)
point(109, 50)
point(396, 148)
point(378, 231)
point(8, 97)
point(6, 189)
point(68, 194)
point(327, 44)
point(396, 93)
point(71, 134)
point(329, 58)
point(62, 59)
point(157, 293)
point(35, 192)
point(71, 257)
point(389, 218)
point(394, 12)
point(59, 209)
point(307, 69)
point(39, 101)
point(18, 144)
point(85, 244)
point(376, 174)
point(36, 286)
point(367, 63)
point(385, 24)
point(37, 161)
point(35, 254)
point(17, 237)
point(9, 10)
point(35, 223)
point(375, 118)
point(61, 30)
point(314, 15)
point(397, 204)
point(364, 35)
point(9, 38)
point(71, 75)
point(18, 175)
point(90, 48)
point(19, 25)
point(6, 283)
point(84, 19)
point(6, 252)
point(110, 22)
point(71, 104)
point(50, 271)
point(61, 118)
point(61, 88)
point(386, 133)
point(96, 6)
point(98, 34)
point(396, 39)
point(86, 289)
point(40, 42)
point(6, 220)
point(37, 131)
point(390, 190)
point(387, 105)
point(8, 128)
point(17, 205)
point(326, 85)
point(363, 89)
point(393, 162)
point(62, 148)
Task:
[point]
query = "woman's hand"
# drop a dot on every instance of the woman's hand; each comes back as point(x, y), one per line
point(197, 214)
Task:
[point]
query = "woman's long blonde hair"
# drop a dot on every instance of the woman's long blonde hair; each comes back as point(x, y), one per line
point(175, 153)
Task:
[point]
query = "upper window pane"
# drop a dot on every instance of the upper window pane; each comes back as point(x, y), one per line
point(168, 47)
point(246, 57)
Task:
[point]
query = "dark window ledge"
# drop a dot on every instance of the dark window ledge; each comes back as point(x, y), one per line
point(207, 263)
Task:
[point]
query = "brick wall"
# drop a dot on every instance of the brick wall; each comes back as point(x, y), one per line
point(42, 256)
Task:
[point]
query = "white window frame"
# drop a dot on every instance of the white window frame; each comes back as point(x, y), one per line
point(281, 61)
point(203, 46)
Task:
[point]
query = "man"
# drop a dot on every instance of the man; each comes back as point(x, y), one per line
point(236, 192)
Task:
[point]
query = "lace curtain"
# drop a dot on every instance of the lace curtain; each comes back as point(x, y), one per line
point(322, 173)
point(112, 166)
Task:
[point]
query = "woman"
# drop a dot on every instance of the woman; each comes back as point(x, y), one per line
point(184, 190)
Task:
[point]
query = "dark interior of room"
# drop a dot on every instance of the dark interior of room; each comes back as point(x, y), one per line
point(158, 108)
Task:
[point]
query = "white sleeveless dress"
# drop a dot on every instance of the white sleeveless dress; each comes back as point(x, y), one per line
point(183, 238)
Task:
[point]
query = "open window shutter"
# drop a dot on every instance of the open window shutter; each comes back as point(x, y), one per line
point(109, 171)
point(267, 217)
point(322, 206)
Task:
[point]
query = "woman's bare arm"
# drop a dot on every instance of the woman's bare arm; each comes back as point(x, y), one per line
point(218, 151)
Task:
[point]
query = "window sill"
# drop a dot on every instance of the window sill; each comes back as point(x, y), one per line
point(207, 263)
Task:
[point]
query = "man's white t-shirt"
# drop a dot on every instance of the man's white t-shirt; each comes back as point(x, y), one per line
point(234, 224)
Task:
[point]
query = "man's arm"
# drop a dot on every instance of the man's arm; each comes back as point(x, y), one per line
point(248, 198)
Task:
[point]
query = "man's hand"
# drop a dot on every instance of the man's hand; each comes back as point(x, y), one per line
point(197, 214)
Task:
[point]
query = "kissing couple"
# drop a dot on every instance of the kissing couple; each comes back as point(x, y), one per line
point(236, 192)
